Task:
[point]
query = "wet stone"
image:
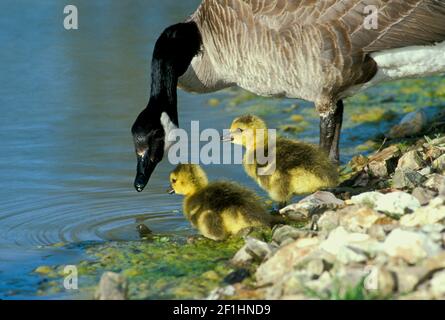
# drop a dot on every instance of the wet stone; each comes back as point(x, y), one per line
point(406, 178)
point(112, 286)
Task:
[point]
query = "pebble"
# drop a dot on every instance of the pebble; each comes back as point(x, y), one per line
point(112, 286)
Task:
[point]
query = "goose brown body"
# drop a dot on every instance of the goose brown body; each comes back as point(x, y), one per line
point(217, 209)
point(309, 49)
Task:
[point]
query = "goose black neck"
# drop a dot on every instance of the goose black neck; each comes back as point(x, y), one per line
point(173, 52)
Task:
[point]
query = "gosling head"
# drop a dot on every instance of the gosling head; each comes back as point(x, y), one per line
point(187, 179)
point(246, 130)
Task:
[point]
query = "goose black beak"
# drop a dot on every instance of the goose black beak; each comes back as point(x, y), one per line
point(145, 168)
point(170, 190)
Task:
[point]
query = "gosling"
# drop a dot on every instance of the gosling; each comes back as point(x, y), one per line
point(297, 168)
point(218, 209)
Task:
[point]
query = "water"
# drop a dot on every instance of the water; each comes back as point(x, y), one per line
point(68, 100)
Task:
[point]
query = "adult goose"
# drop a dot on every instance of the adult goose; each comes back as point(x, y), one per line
point(317, 50)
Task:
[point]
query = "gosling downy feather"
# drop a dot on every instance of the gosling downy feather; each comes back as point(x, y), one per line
point(300, 168)
point(218, 209)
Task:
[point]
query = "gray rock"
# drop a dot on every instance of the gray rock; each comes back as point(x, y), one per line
point(112, 286)
point(406, 178)
point(285, 234)
point(425, 171)
point(258, 249)
point(242, 257)
point(314, 204)
point(423, 195)
point(411, 124)
point(411, 160)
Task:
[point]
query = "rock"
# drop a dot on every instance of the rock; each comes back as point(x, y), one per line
point(381, 281)
point(423, 195)
point(435, 181)
point(314, 204)
point(380, 169)
point(437, 142)
point(425, 171)
point(411, 160)
point(258, 249)
point(439, 165)
point(112, 286)
point(438, 285)
point(285, 234)
point(316, 267)
point(384, 163)
point(431, 214)
point(406, 178)
point(222, 293)
point(377, 232)
point(242, 257)
point(284, 261)
point(360, 219)
point(411, 124)
point(409, 246)
point(348, 247)
point(397, 203)
point(369, 199)
point(329, 221)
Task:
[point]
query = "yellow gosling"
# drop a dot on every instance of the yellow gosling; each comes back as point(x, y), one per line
point(300, 168)
point(218, 209)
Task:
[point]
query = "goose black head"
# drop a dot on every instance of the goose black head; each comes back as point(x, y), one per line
point(149, 141)
point(173, 52)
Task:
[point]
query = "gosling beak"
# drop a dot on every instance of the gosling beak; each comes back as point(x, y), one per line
point(227, 138)
point(170, 190)
point(145, 168)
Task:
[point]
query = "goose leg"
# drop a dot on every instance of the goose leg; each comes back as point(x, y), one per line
point(330, 129)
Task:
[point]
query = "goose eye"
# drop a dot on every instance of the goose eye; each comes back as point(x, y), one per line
point(240, 130)
point(173, 180)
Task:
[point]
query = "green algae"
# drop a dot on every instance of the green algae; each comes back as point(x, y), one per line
point(159, 269)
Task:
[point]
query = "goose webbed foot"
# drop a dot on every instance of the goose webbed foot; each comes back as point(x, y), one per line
point(330, 129)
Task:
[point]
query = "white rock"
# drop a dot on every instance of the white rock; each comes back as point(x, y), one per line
point(242, 257)
point(409, 246)
point(347, 247)
point(360, 220)
point(367, 198)
point(397, 203)
point(438, 285)
point(433, 213)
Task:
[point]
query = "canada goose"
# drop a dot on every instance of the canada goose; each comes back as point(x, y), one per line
point(298, 167)
point(217, 209)
point(321, 51)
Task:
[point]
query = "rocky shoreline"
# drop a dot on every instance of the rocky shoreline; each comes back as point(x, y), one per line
point(384, 243)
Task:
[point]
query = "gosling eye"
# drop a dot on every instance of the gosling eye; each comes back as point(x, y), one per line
point(240, 130)
point(173, 180)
